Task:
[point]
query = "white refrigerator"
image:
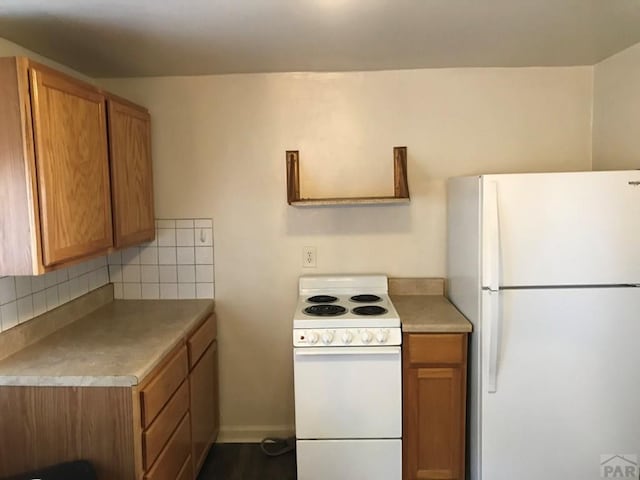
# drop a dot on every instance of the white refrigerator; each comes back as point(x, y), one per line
point(547, 268)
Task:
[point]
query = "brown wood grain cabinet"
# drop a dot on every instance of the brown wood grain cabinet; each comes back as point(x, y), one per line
point(434, 406)
point(131, 174)
point(72, 165)
point(160, 429)
point(57, 174)
point(203, 380)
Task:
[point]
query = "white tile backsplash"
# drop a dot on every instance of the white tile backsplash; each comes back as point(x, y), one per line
point(131, 256)
point(186, 290)
point(53, 300)
point(204, 290)
point(7, 290)
point(9, 315)
point(132, 291)
point(169, 291)
point(150, 291)
point(168, 273)
point(179, 264)
point(131, 273)
point(167, 255)
point(185, 223)
point(203, 223)
point(25, 297)
point(186, 274)
point(165, 223)
point(39, 303)
point(25, 308)
point(150, 274)
point(204, 237)
point(23, 286)
point(166, 237)
point(204, 273)
point(185, 237)
point(185, 256)
point(149, 256)
point(204, 255)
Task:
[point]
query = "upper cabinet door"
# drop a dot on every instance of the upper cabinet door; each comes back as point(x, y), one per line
point(73, 166)
point(131, 174)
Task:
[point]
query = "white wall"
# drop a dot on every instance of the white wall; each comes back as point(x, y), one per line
point(219, 151)
point(616, 138)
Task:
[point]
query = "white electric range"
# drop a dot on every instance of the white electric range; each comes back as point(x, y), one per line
point(348, 379)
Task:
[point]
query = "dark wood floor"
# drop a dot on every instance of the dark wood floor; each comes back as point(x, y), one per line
point(245, 461)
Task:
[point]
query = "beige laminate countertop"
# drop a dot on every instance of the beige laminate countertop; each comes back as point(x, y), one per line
point(429, 314)
point(116, 345)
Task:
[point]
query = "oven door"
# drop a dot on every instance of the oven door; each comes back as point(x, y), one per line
point(348, 392)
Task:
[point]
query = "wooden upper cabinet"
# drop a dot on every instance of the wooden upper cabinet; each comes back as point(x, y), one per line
point(131, 174)
point(64, 167)
point(73, 166)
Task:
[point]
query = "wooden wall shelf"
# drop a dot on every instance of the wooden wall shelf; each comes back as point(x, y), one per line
point(400, 184)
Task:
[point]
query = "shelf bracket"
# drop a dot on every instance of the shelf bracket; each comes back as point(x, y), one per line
point(400, 183)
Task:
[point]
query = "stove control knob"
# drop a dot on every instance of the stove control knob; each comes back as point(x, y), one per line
point(382, 336)
point(366, 336)
point(327, 337)
point(313, 338)
point(347, 337)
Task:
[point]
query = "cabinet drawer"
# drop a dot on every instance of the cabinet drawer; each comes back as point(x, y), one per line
point(160, 430)
point(175, 454)
point(429, 348)
point(157, 393)
point(201, 339)
point(186, 473)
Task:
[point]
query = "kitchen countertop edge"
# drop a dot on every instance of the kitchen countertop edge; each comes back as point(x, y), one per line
point(429, 314)
point(21, 368)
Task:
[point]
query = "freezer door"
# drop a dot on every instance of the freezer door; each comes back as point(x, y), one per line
point(561, 229)
point(567, 385)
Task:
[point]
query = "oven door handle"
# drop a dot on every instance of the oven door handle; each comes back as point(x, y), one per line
point(318, 351)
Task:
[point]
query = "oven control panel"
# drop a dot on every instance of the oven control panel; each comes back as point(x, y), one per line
point(346, 337)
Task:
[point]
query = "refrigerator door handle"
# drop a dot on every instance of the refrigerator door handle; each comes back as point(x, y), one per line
point(494, 340)
point(493, 236)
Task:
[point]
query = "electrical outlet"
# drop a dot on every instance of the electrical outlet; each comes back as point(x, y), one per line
point(309, 257)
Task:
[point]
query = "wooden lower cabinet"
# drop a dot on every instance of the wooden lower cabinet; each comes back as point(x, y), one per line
point(203, 381)
point(161, 429)
point(434, 406)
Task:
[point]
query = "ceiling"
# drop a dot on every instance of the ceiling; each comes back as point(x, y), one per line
point(122, 38)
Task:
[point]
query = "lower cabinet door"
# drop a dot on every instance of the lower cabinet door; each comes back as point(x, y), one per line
point(434, 425)
point(204, 404)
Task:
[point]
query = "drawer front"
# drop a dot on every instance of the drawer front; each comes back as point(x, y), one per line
point(201, 339)
point(432, 348)
point(156, 436)
point(175, 454)
point(158, 392)
point(187, 471)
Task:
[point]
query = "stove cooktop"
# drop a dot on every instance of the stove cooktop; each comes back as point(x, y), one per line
point(344, 301)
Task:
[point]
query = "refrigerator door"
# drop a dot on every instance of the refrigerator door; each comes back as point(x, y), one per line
point(567, 385)
point(561, 229)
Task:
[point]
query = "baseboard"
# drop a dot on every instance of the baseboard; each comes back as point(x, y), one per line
point(253, 433)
